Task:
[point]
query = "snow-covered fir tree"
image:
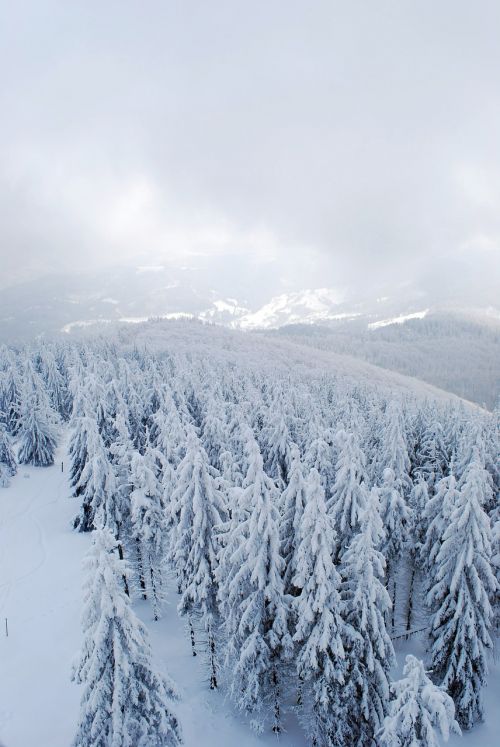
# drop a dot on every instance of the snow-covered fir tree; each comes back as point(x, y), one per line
point(96, 485)
point(418, 500)
point(436, 517)
point(277, 446)
point(319, 630)
point(293, 500)
point(202, 510)
point(394, 452)
point(125, 702)
point(121, 452)
point(148, 529)
point(37, 430)
point(369, 649)
point(56, 385)
point(396, 518)
point(196, 489)
point(417, 711)
point(432, 458)
point(257, 634)
point(348, 500)
point(460, 598)
point(7, 458)
point(321, 454)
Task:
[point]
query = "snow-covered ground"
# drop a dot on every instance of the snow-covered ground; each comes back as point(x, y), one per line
point(40, 595)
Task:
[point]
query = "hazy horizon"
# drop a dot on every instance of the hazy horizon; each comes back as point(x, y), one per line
point(300, 145)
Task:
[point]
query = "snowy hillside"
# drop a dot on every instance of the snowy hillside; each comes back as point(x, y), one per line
point(40, 594)
point(264, 525)
point(451, 346)
point(454, 352)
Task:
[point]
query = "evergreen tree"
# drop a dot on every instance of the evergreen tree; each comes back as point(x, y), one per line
point(321, 455)
point(418, 708)
point(202, 510)
point(11, 393)
point(395, 516)
point(37, 431)
point(4, 476)
point(320, 657)
point(419, 498)
point(256, 628)
point(432, 457)
point(436, 517)
point(348, 500)
point(7, 458)
point(121, 452)
point(96, 486)
point(56, 385)
point(495, 562)
point(369, 649)
point(125, 703)
point(293, 500)
point(148, 529)
point(460, 598)
point(394, 452)
point(82, 430)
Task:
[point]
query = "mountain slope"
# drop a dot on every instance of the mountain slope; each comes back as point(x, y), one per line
point(449, 351)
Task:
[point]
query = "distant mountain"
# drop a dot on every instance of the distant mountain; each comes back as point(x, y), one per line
point(456, 351)
point(452, 348)
point(304, 307)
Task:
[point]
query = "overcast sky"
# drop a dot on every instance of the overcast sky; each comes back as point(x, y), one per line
point(325, 143)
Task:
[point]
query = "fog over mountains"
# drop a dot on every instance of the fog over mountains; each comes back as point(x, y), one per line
point(455, 346)
point(55, 303)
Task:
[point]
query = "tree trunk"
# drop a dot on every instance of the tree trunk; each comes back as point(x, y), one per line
point(191, 635)
point(276, 696)
point(213, 661)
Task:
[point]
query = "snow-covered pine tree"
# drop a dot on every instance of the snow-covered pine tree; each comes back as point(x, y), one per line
point(196, 508)
point(394, 452)
point(202, 511)
point(319, 630)
point(7, 458)
point(495, 562)
point(148, 529)
point(277, 441)
point(11, 395)
point(348, 500)
point(96, 485)
point(4, 476)
point(121, 452)
point(460, 598)
point(82, 426)
point(369, 649)
point(418, 500)
point(432, 457)
point(396, 518)
point(417, 710)
point(257, 635)
point(321, 455)
point(293, 500)
point(213, 432)
point(167, 430)
point(436, 517)
point(56, 385)
point(37, 429)
point(125, 702)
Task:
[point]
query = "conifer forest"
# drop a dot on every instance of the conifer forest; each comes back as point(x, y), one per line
point(299, 514)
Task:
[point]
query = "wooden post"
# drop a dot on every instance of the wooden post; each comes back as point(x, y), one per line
point(6, 628)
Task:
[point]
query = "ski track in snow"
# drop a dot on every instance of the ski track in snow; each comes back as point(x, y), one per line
point(40, 594)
